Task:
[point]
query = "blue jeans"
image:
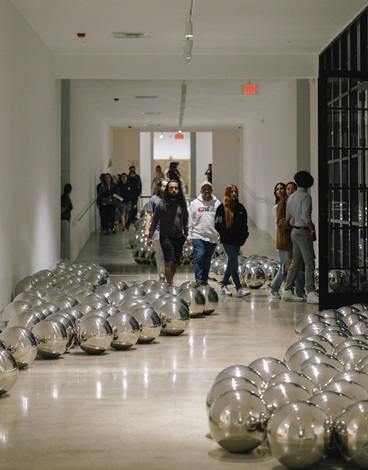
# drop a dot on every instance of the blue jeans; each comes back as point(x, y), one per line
point(202, 254)
point(232, 252)
point(303, 251)
point(278, 279)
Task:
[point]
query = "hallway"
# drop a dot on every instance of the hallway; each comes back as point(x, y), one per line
point(143, 407)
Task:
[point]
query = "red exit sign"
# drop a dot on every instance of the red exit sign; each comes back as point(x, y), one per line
point(249, 89)
point(179, 136)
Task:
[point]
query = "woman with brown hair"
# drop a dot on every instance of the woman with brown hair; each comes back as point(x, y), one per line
point(231, 222)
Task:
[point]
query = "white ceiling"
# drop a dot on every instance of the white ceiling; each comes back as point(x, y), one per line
point(229, 38)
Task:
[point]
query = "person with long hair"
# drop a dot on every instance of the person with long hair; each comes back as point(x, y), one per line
point(284, 245)
point(172, 213)
point(107, 203)
point(231, 222)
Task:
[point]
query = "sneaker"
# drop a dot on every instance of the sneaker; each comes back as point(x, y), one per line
point(312, 298)
point(242, 292)
point(199, 283)
point(162, 279)
point(225, 291)
point(288, 296)
point(275, 294)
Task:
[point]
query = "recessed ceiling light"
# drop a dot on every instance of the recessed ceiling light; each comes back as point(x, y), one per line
point(142, 97)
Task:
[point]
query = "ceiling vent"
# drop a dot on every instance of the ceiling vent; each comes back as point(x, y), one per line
point(120, 35)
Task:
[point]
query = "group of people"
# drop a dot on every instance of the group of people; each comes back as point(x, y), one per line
point(117, 196)
point(295, 234)
point(169, 223)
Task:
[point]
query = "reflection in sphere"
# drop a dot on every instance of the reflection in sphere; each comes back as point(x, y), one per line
point(21, 343)
point(279, 394)
point(94, 334)
point(51, 337)
point(8, 371)
point(299, 435)
point(228, 384)
point(237, 420)
point(126, 330)
point(174, 317)
point(351, 434)
point(211, 298)
point(267, 367)
point(241, 371)
point(149, 323)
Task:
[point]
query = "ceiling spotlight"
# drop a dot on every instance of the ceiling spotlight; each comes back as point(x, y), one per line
point(189, 29)
point(161, 136)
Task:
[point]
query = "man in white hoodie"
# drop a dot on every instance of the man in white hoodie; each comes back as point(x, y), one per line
point(202, 231)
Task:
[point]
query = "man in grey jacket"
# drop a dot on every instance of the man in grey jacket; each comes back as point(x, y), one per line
point(202, 231)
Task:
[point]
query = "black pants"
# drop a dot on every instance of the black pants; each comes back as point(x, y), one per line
point(107, 216)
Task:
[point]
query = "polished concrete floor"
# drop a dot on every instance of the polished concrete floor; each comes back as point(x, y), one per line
point(144, 407)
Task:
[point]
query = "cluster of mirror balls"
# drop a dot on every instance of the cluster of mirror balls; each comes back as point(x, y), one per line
point(307, 407)
point(78, 305)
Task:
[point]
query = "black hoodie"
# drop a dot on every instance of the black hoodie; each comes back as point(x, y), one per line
point(238, 233)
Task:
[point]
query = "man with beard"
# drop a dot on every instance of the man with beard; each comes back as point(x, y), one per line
point(151, 206)
point(172, 213)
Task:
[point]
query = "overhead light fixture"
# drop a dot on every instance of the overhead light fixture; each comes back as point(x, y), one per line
point(187, 56)
point(189, 29)
point(161, 136)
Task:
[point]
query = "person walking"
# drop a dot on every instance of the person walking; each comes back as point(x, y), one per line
point(299, 207)
point(284, 245)
point(107, 203)
point(151, 206)
point(157, 177)
point(172, 213)
point(202, 232)
point(231, 222)
point(208, 173)
point(124, 201)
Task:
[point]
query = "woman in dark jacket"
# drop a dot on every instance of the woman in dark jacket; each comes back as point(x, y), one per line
point(231, 222)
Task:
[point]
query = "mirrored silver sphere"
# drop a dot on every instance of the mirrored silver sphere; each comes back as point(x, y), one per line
point(195, 299)
point(21, 343)
point(228, 384)
point(237, 420)
point(267, 367)
point(94, 334)
point(8, 371)
point(175, 318)
point(126, 330)
point(51, 337)
point(149, 323)
point(211, 299)
point(299, 435)
point(352, 434)
point(239, 370)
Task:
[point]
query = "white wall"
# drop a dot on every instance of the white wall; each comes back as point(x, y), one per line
point(226, 160)
point(203, 158)
point(269, 155)
point(30, 154)
point(89, 157)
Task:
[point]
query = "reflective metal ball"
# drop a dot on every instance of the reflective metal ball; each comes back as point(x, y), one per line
point(352, 434)
point(195, 299)
point(94, 334)
point(51, 337)
point(8, 371)
point(21, 343)
point(211, 299)
point(126, 330)
point(228, 384)
point(175, 317)
point(149, 323)
point(299, 435)
point(237, 420)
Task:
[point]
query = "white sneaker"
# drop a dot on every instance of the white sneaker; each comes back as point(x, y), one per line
point(242, 292)
point(312, 298)
point(225, 291)
point(288, 296)
point(275, 294)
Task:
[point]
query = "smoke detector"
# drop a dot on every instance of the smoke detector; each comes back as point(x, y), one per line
point(122, 35)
